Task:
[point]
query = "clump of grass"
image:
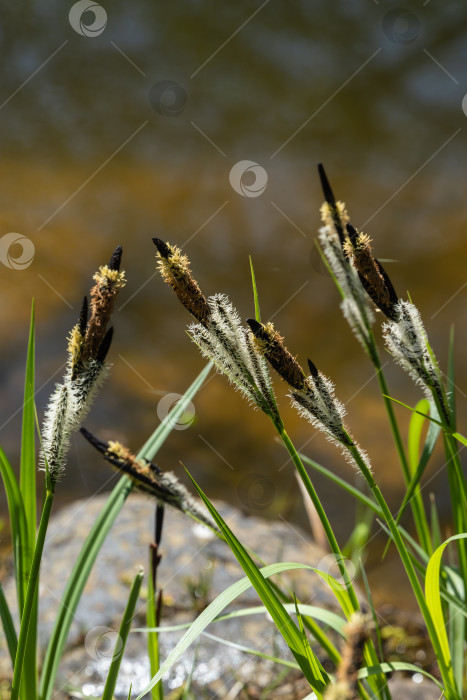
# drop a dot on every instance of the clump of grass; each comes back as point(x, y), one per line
point(242, 353)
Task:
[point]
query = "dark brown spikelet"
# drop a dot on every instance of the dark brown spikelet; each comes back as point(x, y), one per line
point(116, 259)
point(335, 208)
point(83, 317)
point(372, 275)
point(105, 346)
point(109, 280)
point(175, 270)
point(270, 344)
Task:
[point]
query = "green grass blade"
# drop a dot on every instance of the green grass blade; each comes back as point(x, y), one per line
point(95, 540)
point(212, 613)
point(456, 643)
point(363, 498)
point(8, 626)
point(451, 394)
point(433, 599)
point(397, 666)
point(163, 430)
point(18, 527)
point(255, 292)
point(28, 491)
point(414, 441)
point(29, 618)
point(313, 660)
point(252, 652)
point(329, 618)
point(77, 581)
point(370, 650)
point(28, 435)
point(157, 692)
point(282, 619)
point(123, 632)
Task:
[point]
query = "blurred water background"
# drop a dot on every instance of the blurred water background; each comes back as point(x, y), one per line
point(127, 126)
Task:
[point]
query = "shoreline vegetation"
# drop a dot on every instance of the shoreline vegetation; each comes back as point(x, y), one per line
point(246, 352)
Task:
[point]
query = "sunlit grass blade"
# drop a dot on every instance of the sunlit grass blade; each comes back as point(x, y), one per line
point(313, 660)
point(451, 394)
point(123, 632)
point(18, 527)
point(8, 626)
point(434, 521)
point(363, 498)
point(372, 653)
point(433, 599)
point(29, 617)
point(252, 652)
point(213, 611)
point(255, 292)
point(77, 581)
point(387, 667)
point(329, 618)
point(152, 609)
point(283, 621)
point(28, 435)
point(163, 430)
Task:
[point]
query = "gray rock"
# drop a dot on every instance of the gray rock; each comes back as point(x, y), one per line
point(196, 566)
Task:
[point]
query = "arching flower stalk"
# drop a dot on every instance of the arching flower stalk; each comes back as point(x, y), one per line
point(88, 345)
point(149, 478)
point(219, 333)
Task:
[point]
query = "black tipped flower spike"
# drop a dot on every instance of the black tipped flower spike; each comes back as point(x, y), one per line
point(313, 369)
point(257, 329)
point(115, 260)
point(162, 247)
point(83, 317)
point(327, 191)
point(104, 346)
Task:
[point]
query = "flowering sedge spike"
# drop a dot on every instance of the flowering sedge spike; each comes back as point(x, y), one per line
point(219, 333)
point(357, 634)
point(313, 395)
point(147, 477)
point(407, 341)
point(88, 345)
point(332, 238)
point(371, 273)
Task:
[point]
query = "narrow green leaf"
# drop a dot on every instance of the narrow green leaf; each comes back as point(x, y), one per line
point(433, 599)
point(255, 292)
point(123, 632)
point(451, 394)
point(29, 618)
point(163, 430)
point(212, 612)
point(282, 619)
point(18, 527)
point(95, 539)
point(313, 660)
point(329, 618)
point(396, 666)
point(157, 692)
point(28, 457)
point(8, 626)
point(253, 652)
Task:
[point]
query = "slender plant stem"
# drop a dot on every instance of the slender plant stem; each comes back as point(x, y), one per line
point(331, 538)
point(418, 510)
point(446, 672)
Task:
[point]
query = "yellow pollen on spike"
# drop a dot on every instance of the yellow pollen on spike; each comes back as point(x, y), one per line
point(119, 450)
point(75, 345)
point(177, 265)
point(111, 278)
point(326, 212)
